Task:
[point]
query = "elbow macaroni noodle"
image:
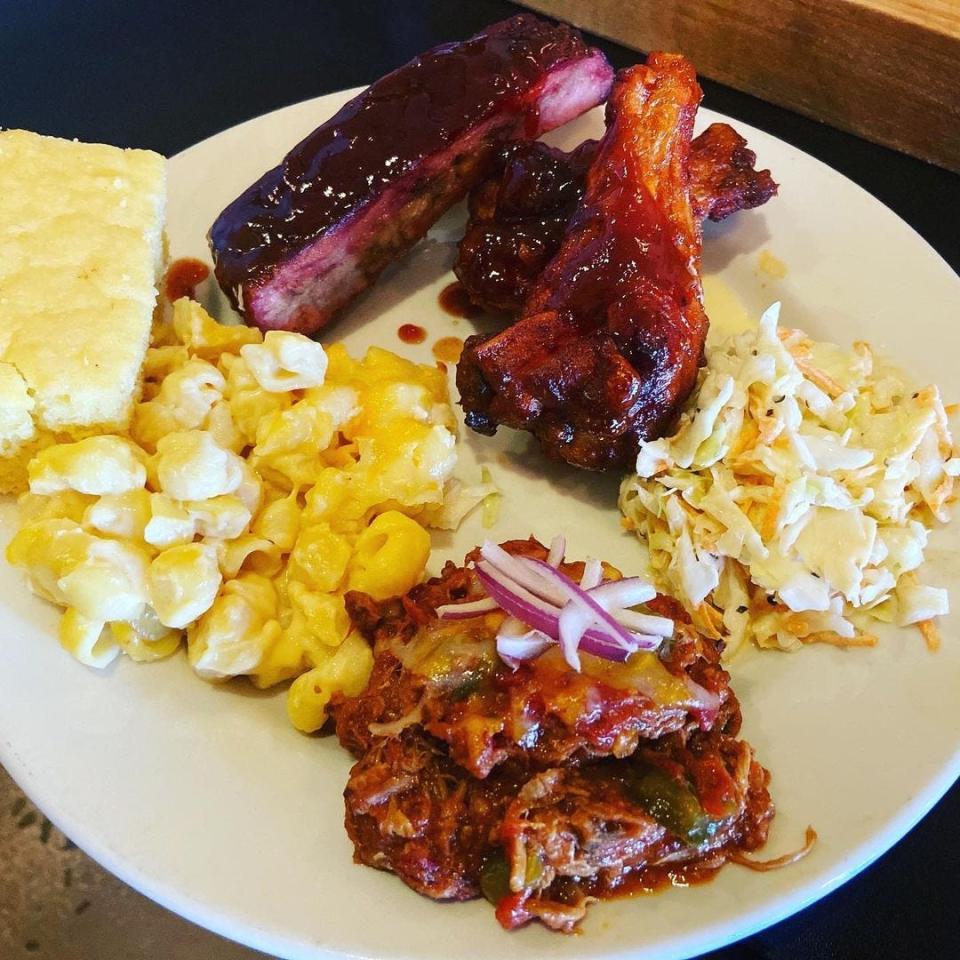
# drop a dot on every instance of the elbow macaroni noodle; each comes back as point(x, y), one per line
point(262, 477)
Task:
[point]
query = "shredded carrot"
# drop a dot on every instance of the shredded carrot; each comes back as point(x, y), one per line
point(712, 620)
point(760, 602)
point(951, 409)
point(768, 526)
point(750, 477)
point(745, 860)
point(931, 395)
point(823, 380)
point(835, 640)
point(794, 339)
point(745, 439)
point(627, 523)
point(930, 633)
point(756, 405)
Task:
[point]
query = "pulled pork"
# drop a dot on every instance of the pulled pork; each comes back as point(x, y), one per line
point(541, 788)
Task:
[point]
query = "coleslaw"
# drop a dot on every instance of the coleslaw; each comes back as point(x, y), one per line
point(793, 503)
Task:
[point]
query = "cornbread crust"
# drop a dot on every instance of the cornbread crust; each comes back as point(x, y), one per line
point(81, 252)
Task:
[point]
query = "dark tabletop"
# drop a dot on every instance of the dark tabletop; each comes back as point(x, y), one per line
point(165, 75)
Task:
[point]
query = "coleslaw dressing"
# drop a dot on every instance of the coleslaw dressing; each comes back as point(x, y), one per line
point(727, 313)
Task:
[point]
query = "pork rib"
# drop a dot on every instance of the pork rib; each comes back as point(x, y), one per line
point(359, 191)
point(612, 334)
point(519, 214)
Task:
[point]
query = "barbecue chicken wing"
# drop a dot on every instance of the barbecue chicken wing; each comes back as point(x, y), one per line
point(611, 335)
point(519, 214)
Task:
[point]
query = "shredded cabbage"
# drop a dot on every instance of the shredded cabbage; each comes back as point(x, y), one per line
point(797, 492)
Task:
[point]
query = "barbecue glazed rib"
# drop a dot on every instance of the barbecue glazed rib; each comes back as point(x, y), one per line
point(359, 191)
point(611, 336)
point(518, 219)
point(519, 214)
point(540, 787)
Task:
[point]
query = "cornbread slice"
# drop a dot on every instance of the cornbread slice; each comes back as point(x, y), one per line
point(81, 249)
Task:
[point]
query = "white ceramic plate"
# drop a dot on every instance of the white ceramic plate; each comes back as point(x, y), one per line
point(205, 798)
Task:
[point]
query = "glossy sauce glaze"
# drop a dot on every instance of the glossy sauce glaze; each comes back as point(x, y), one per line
point(519, 215)
point(183, 277)
point(651, 879)
point(611, 335)
point(517, 223)
point(381, 135)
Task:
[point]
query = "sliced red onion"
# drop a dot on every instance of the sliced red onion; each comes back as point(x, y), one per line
point(544, 606)
point(558, 549)
point(572, 623)
point(517, 642)
point(472, 608)
point(592, 574)
point(514, 650)
point(599, 645)
point(540, 615)
point(601, 618)
point(644, 622)
point(621, 593)
point(518, 602)
point(544, 616)
point(518, 569)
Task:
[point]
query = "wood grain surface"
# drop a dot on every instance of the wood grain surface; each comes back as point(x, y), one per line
point(887, 70)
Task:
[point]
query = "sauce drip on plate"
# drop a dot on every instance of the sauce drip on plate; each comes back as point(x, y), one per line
point(183, 278)
point(448, 349)
point(454, 300)
point(411, 333)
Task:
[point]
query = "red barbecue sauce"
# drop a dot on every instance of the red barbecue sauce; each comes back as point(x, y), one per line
point(183, 277)
point(411, 333)
point(448, 349)
point(453, 299)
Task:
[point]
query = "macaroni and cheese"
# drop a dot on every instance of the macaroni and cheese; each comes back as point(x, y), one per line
point(260, 479)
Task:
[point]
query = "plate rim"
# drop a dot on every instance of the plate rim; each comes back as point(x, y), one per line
point(714, 936)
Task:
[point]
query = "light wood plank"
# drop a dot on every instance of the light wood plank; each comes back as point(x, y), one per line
point(888, 70)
